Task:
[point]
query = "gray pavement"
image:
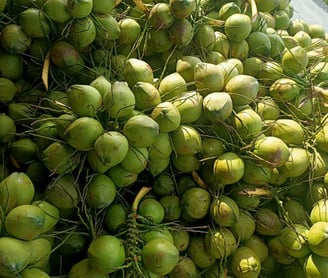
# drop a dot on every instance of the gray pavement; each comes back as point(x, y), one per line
point(312, 11)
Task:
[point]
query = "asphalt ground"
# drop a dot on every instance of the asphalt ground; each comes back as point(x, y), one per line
point(312, 11)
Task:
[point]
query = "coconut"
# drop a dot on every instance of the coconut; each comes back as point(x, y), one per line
point(102, 84)
point(91, 128)
point(186, 140)
point(7, 128)
point(220, 243)
point(294, 239)
point(84, 100)
point(317, 238)
point(159, 41)
point(115, 217)
point(136, 159)
point(278, 251)
point(204, 37)
point(282, 20)
point(297, 164)
point(256, 174)
point(161, 148)
point(237, 27)
point(34, 23)
point(25, 222)
point(270, 72)
point(198, 253)
point(195, 203)
point(101, 192)
point(51, 214)
point(57, 10)
point(172, 86)
point(14, 39)
point(277, 45)
point(228, 9)
point(120, 176)
point(208, 77)
point(243, 89)
point(141, 130)
point(189, 105)
point(146, 95)
point(185, 67)
point(167, 116)
point(120, 101)
point(157, 165)
point(184, 268)
point(83, 269)
point(111, 148)
point(186, 163)
point(284, 89)
point(137, 70)
point(182, 8)
point(152, 210)
point(295, 59)
point(243, 195)
point(60, 158)
point(228, 168)
point(247, 123)
point(259, 44)
point(108, 29)
point(163, 233)
point(15, 190)
point(82, 32)
point(315, 266)
point(66, 57)
point(224, 211)
point(295, 212)
point(181, 239)
point(244, 228)
point(34, 272)
point(319, 211)
point(106, 253)
point(11, 66)
point(172, 207)
point(266, 6)
point(160, 256)
point(130, 31)
point(15, 255)
point(181, 32)
point(62, 193)
point(222, 44)
point(258, 246)
point(160, 16)
point(245, 263)
point(239, 50)
point(267, 222)
point(217, 106)
point(271, 150)
point(79, 9)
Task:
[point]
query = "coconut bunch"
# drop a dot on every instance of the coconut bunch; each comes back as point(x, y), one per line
point(162, 139)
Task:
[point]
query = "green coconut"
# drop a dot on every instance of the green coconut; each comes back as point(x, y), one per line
point(237, 27)
point(91, 128)
point(111, 148)
point(243, 89)
point(224, 211)
point(245, 263)
point(228, 168)
point(141, 130)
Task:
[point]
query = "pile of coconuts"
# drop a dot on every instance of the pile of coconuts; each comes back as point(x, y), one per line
point(182, 138)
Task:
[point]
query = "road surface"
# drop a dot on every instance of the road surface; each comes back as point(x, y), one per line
point(311, 12)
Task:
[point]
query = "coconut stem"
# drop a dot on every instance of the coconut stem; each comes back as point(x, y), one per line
point(140, 5)
point(253, 8)
point(142, 193)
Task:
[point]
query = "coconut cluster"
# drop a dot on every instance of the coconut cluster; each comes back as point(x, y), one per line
point(179, 138)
